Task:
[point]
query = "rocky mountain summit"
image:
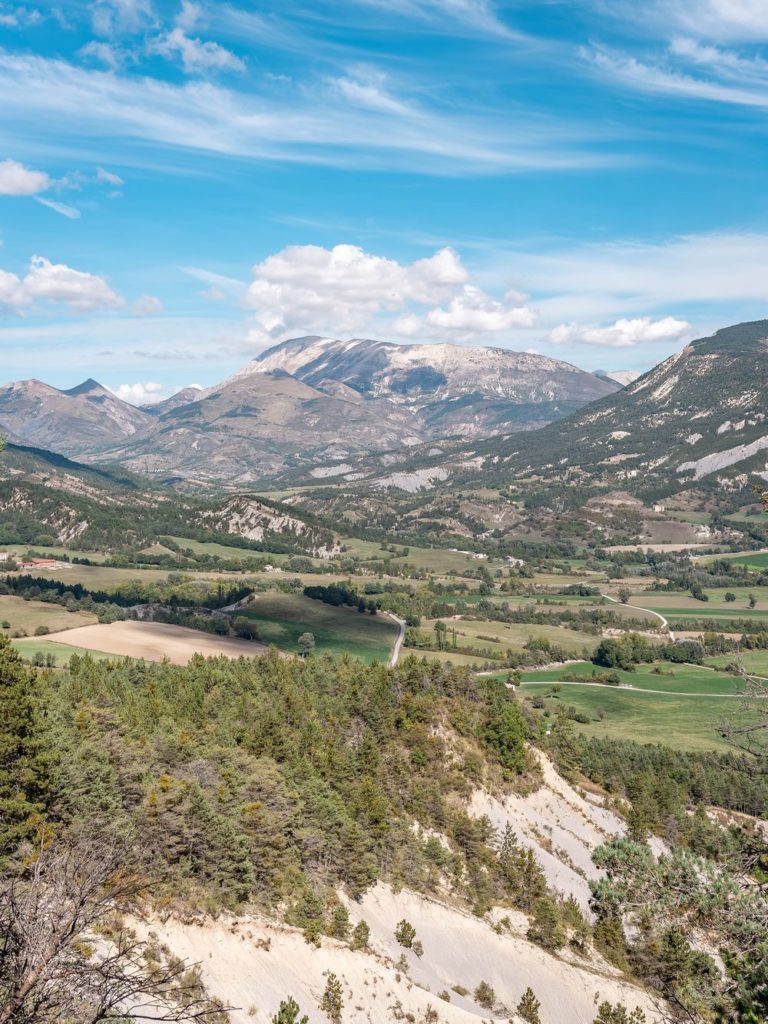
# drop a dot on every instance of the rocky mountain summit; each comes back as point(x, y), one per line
point(301, 405)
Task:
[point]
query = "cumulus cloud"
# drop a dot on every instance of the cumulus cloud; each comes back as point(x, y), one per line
point(624, 333)
point(468, 313)
point(147, 305)
point(58, 283)
point(141, 393)
point(18, 180)
point(308, 287)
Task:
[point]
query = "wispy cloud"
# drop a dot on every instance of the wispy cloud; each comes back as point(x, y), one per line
point(314, 124)
point(70, 212)
point(480, 16)
point(729, 77)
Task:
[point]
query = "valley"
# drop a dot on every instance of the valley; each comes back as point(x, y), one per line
point(453, 700)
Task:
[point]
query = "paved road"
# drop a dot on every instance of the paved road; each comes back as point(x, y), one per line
point(650, 611)
point(399, 642)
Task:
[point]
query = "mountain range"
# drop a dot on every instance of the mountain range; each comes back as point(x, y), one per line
point(302, 404)
point(699, 416)
point(689, 435)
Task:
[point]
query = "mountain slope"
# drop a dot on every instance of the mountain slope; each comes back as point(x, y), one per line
point(699, 414)
point(454, 389)
point(255, 426)
point(84, 419)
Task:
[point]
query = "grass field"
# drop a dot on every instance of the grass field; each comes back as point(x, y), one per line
point(677, 603)
point(671, 678)
point(282, 618)
point(753, 661)
point(25, 616)
point(61, 653)
point(447, 657)
point(233, 553)
point(684, 723)
point(756, 560)
point(53, 551)
point(499, 637)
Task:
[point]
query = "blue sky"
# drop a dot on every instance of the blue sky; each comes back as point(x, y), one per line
point(184, 183)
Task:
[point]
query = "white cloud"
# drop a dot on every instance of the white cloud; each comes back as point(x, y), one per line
point(147, 305)
point(469, 313)
point(307, 287)
point(142, 393)
point(597, 282)
point(111, 17)
point(316, 124)
point(663, 77)
point(450, 15)
point(738, 20)
point(70, 212)
point(197, 56)
point(18, 180)
point(108, 177)
point(213, 294)
point(624, 333)
point(58, 283)
point(111, 56)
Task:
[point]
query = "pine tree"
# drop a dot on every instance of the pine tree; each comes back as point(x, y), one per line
point(360, 935)
point(333, 1002)
point(25, 764)
point(546, 929)
point(528, 1007)
point(288, 1013)
point(340, 922)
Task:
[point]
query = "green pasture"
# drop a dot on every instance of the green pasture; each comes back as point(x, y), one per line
point(282, 618)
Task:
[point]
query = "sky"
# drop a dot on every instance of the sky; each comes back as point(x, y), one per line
point(184, 184)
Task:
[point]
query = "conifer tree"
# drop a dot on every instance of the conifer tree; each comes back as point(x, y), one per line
point(333, 1001)
point(288, 1013)
point(528, 1007)
point(25, 764)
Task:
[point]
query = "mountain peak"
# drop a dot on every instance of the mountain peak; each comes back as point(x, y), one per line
point(88, 387)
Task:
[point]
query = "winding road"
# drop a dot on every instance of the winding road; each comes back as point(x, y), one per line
point(400, 638)
point(650, 611)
